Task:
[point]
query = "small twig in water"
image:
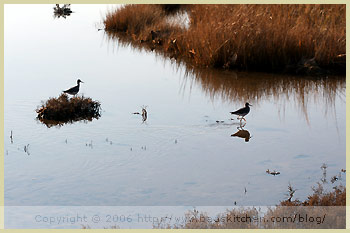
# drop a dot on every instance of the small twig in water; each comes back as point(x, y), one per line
point(26, 149)
point(291, 192)
point(144, 113)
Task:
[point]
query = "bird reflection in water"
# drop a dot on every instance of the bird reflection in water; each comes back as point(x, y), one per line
point(242, 133)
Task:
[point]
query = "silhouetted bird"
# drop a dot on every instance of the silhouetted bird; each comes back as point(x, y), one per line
point(243, 111)
point(74, 90)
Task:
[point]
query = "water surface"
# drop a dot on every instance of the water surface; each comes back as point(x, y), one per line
point(181, 155)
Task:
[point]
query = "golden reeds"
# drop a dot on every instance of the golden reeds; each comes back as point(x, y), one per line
point(294, 38)
point(327, 212)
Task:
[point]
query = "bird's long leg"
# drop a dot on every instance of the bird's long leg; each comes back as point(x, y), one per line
point(240, 122)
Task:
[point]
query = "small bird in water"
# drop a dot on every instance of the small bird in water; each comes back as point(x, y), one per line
point(74, 90)
point(243, 111)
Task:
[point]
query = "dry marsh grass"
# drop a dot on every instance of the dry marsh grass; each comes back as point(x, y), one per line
point(57, 111)
point(131, 20)
point(327, 210)
point(337, 197)
point(293, 38)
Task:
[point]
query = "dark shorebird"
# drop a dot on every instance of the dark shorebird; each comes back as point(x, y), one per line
point(74, 90)
point(243, 111)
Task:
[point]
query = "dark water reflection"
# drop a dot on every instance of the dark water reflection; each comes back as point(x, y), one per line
point(51, 123)
point(242, 133)
point(256, 87)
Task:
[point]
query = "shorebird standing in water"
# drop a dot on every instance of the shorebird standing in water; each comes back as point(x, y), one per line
point(243, 111)
point(74, 90)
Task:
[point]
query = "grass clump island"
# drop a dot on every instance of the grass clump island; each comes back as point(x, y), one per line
point(61, 110)
point(300, 39)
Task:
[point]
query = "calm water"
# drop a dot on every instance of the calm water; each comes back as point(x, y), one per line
point(180, 155)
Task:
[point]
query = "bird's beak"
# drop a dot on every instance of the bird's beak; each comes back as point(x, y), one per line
point(250, 105)
point(82, 81)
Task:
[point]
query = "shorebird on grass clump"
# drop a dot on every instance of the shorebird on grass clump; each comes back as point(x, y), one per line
point(74, 90)
point(242, 112)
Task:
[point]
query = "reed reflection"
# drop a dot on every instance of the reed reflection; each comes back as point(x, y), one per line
point(241, 86)
point(238, 87)
point(58, 124)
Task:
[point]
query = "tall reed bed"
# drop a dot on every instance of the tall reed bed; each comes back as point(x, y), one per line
point(259, 37)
